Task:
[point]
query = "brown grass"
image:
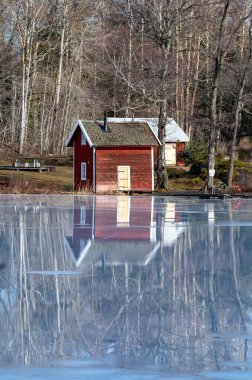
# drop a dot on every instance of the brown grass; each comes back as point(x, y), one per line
point(59, 180)
point(187, 183)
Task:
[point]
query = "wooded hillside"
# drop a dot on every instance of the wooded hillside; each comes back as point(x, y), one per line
point(66, 59)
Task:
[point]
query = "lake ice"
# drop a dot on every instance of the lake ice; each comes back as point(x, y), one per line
point(118, 287)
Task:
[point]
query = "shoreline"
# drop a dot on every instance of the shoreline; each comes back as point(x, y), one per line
point(189, 194)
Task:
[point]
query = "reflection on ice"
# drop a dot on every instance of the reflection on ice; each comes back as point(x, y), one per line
point(52, 272)
point(82, 371)
point(112, 231)
point(158, 283)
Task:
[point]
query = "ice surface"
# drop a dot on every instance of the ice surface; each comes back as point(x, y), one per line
point(95, 287)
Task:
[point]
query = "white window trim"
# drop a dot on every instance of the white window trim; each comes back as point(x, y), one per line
point(83, 139)
point(83, 211)
point(83, 170)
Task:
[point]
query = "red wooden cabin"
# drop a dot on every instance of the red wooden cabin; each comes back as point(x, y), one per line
point(113, 156)
point(175, 137)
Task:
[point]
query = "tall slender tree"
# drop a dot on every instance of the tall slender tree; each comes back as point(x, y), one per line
point(158, 21)
point(239, 104)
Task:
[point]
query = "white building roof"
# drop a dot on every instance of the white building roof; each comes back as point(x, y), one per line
point(173, 132)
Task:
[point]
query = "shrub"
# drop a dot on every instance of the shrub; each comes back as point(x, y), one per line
point(197, 180)
point(244, 176)
point(173, 173)
point(242, 171)
point(197, 167)
point(194, 152)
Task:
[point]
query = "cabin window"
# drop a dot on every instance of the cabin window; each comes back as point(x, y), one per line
point(83, 171)
point(83, 215)
point(83, 139)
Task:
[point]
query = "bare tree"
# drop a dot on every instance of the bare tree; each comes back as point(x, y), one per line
point(158, 21)
point(226, 33)
point(217, 70)
point(27, 16)
point(242, 78)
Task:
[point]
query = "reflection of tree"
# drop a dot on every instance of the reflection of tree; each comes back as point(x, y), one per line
point(175, 311)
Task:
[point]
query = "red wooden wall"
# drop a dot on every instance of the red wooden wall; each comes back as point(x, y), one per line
point(108, 159)
point(179, 148)
point(82, 153)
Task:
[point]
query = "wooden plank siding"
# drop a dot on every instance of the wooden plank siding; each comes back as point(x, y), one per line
point(139, 160)
point(83, 153)
point(179, 148)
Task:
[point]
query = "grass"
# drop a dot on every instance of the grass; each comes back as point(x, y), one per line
point(59, 180)
point(186, 183)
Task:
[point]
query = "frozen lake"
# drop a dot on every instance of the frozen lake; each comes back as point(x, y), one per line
point(140, 288)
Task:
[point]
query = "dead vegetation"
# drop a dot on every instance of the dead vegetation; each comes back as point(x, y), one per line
point(17, 182)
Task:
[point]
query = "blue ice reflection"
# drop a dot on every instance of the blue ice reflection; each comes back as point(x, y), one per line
point(162, 284)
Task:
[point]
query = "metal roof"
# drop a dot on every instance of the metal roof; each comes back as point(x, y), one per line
point(173, 132)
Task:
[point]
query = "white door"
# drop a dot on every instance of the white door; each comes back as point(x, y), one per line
point(170, 154)
point(123, 173)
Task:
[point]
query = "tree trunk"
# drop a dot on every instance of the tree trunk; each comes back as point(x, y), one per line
point(13, 112)
point(162, 179)
point(238, 110)
point(218, 63)
point(129, 58)
point(59, 77)
point(236, 127)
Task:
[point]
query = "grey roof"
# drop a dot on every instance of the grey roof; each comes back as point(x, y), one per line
point(114, 252)
point(118, 134)
point(173, 132)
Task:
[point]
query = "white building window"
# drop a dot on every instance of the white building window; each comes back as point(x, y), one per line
point(83, 171)
point(83, 215)
point(83, 139)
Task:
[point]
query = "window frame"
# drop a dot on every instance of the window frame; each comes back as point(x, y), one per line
point(83, 215)
point(83, 165)
point(83, 139)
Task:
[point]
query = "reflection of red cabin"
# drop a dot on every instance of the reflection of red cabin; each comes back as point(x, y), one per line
point(113, 156)
point(114, 229)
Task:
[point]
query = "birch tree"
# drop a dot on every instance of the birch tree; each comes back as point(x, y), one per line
point(157, 21)
point(28, 16)
point(226, 33)
point(62, 21)
point(242, 79)
point(218, 60)
point(65, 59)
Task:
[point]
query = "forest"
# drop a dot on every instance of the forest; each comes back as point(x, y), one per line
point(67, 59)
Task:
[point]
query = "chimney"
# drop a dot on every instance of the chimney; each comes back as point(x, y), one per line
point(105, 125)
